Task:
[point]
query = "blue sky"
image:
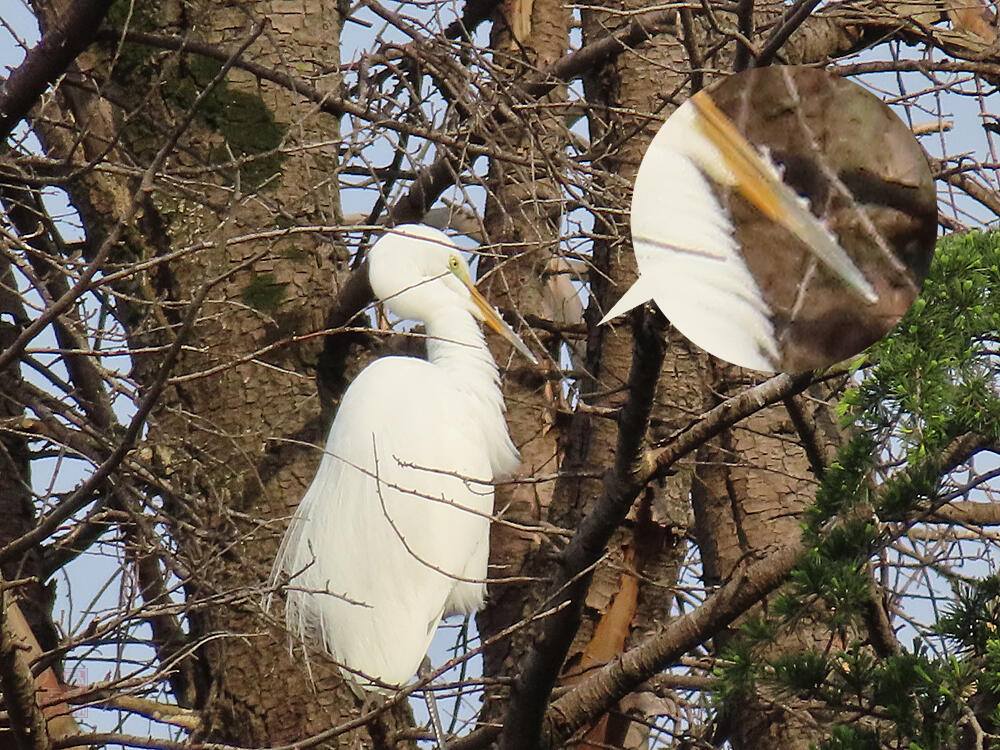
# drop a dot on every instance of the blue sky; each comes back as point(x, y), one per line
point(93, 585)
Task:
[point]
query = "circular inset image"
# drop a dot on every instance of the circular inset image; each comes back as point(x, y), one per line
point(782, 220)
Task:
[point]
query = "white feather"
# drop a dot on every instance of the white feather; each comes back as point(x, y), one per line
point(684, 243)
point(393, 533)
point(688, 260)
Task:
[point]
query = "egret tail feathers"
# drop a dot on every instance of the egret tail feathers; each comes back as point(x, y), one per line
point(639, 293)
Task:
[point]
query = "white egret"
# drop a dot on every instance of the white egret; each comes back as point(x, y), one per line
point(685, 244)
point(393, 533)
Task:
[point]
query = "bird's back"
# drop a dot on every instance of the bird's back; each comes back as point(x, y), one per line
point(395, 525)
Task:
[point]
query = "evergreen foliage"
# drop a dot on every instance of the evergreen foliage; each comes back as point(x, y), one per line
point(929, 383)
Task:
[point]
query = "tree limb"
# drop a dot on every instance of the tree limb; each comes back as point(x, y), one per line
point(531, 689)
point(794, 17)
point(26, 721)
point(9, 355)
point(806, 429)
point(600, 691)
point(49, 59)
point(676, 638)
point(20, 691)
point(431, 182)
point(474, 13)
point(963, 513)
point(632, 472)
point(722, 417)
point(166, 713)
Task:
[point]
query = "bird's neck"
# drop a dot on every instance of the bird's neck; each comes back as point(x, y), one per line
point(456, 345)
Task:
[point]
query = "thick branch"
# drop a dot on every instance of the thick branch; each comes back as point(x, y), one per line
point(328, 101)
point(971, 187)
point(963, 513)
point(806, 428)
point(979, 68)
point(602, 690)
point(52, 311)
point(595, 695)
point(443, 172)
point(722, 417)
point(794, 17)
point(531, 690)
point(619, 492)
point(169, 639)
point(166, 713)
point(744, 24)
point(48, 60)
point(590, 57)
point(27, 722)
point(430, 183)
point(474, 13)
point(632, 472)
point(580, 706)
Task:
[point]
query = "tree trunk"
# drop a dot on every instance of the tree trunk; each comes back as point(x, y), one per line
point(236, 431)
point(632, 587)
point(523, 211)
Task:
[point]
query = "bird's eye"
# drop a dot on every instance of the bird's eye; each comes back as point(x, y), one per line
point(453, 263)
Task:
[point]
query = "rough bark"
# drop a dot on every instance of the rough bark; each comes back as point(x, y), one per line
point(31, 599)
point(65, 38)
point(231, 445)
point(236, 444)
point(615, 607)
point(627, 98)
point(522, 218)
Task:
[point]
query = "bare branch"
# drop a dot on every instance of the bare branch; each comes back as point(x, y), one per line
point(748, 585)
point(9, 355)
point(166, 713)
point(43, 65)
point(794, 17)
point(533, 685)
point(27, 722)
point(24, 693)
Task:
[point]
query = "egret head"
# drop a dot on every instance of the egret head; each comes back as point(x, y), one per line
point(418, 273)
point(411, 270)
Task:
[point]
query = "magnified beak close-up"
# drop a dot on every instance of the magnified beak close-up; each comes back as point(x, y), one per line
point(784, 219)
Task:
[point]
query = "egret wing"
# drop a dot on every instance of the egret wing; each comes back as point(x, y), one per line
point(393, 532)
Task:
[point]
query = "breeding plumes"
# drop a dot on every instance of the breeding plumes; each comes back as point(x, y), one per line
point(393, 533)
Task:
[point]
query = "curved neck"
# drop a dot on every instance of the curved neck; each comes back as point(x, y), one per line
point(457, 346)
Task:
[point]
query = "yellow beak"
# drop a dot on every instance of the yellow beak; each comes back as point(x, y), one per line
point(492, 318)
point(759, 183)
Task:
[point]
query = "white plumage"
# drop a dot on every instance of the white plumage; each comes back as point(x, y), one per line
point(393, 533)
point(688, 258)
